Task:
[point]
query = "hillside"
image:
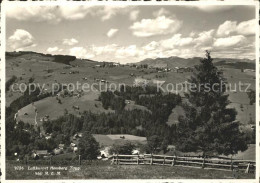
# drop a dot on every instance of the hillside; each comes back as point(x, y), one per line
point(45, 71)
point(172, 62)
point(137, 117)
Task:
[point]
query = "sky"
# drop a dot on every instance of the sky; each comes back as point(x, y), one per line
point(128, 34)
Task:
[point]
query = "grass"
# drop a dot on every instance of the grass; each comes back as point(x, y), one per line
point(249, 154)
point(108, 140)
point(37, 65)
point(103, 170)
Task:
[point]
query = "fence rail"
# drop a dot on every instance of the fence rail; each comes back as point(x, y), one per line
point(247, 166)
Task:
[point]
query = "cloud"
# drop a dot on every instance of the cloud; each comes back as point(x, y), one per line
point(75, 12)
point(21, 39)
point(226, 28)
point(55, 14)
point(112, 32)
point(243, 28)
point(151, 46)
point(176, 41)
point(33, 13)
point(161, 12)
point(108, 49)
point(81, 52)
point(54, 49)
point(212, 8)
point(205, 38)
point(107, 12)
point(159, 26)
point(129, 51)
point(247, 27)
point(50, 14)
point(229, 41)
point(70, 42)
point(134, 15)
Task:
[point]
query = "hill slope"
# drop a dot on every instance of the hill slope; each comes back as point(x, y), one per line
point(172, 62)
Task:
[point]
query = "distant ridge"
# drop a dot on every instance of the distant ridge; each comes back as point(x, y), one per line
point(172, 62)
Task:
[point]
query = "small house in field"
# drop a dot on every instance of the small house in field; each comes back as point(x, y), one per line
point(41, 152)
point(127, 101)
point(135, 152)
point(36, 154)
point(75, 149)
point(48, 137)
point(57, 151)
point(98, 65)
point(171, 148)
point(61, 146)
point(73, 144)
point(104, 153)
point(116, 64)
point(77, 135)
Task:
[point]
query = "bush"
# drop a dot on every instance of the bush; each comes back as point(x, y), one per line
point(126, 148)
point(10, 82)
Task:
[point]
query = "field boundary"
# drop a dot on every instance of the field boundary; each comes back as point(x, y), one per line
point(247, 166)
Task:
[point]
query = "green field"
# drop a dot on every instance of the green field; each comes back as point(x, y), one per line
point(108, 140)
point(36, 66)
point(103, 170)
point(33, 65)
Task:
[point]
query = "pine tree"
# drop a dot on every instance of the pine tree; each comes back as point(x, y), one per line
point(208, 125)
point(88, 147)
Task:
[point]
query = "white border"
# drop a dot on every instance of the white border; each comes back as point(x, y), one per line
point(124, 3)
point(2, 54)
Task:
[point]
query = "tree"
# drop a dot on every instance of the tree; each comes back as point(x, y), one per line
point(154, 143)
point(88, 147)
point(251, 95)
point(125, 148)
point(208, 125)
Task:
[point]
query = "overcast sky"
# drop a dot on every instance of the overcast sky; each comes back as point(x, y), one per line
point(132, 33)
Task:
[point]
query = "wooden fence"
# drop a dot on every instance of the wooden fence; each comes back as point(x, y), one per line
point(196, 162)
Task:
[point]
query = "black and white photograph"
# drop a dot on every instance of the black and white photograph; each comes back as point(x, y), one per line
point(130, 90)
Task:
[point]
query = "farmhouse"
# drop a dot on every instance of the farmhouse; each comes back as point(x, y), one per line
point(61, 146)
point(127, 101)
point(75, 149)
point(116, 64)
point(135, 152)
point(48, 137)
point(104, 153)
point(73, 144)
point(57, 151)
point(37, 153)
point(249, 70)
point(77, 135)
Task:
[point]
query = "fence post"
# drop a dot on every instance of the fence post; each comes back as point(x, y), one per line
point(164, 160)
point(79, 159)
point(173, 161)
point(117, 159)
point(231, 166)
point(50, 160)
point(112, 162)
point(138, 159)
point(151, 163)
point(248, 168)
point(203, 163)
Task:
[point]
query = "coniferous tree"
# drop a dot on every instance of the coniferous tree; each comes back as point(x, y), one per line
point(88, 147)
point(208, 125)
